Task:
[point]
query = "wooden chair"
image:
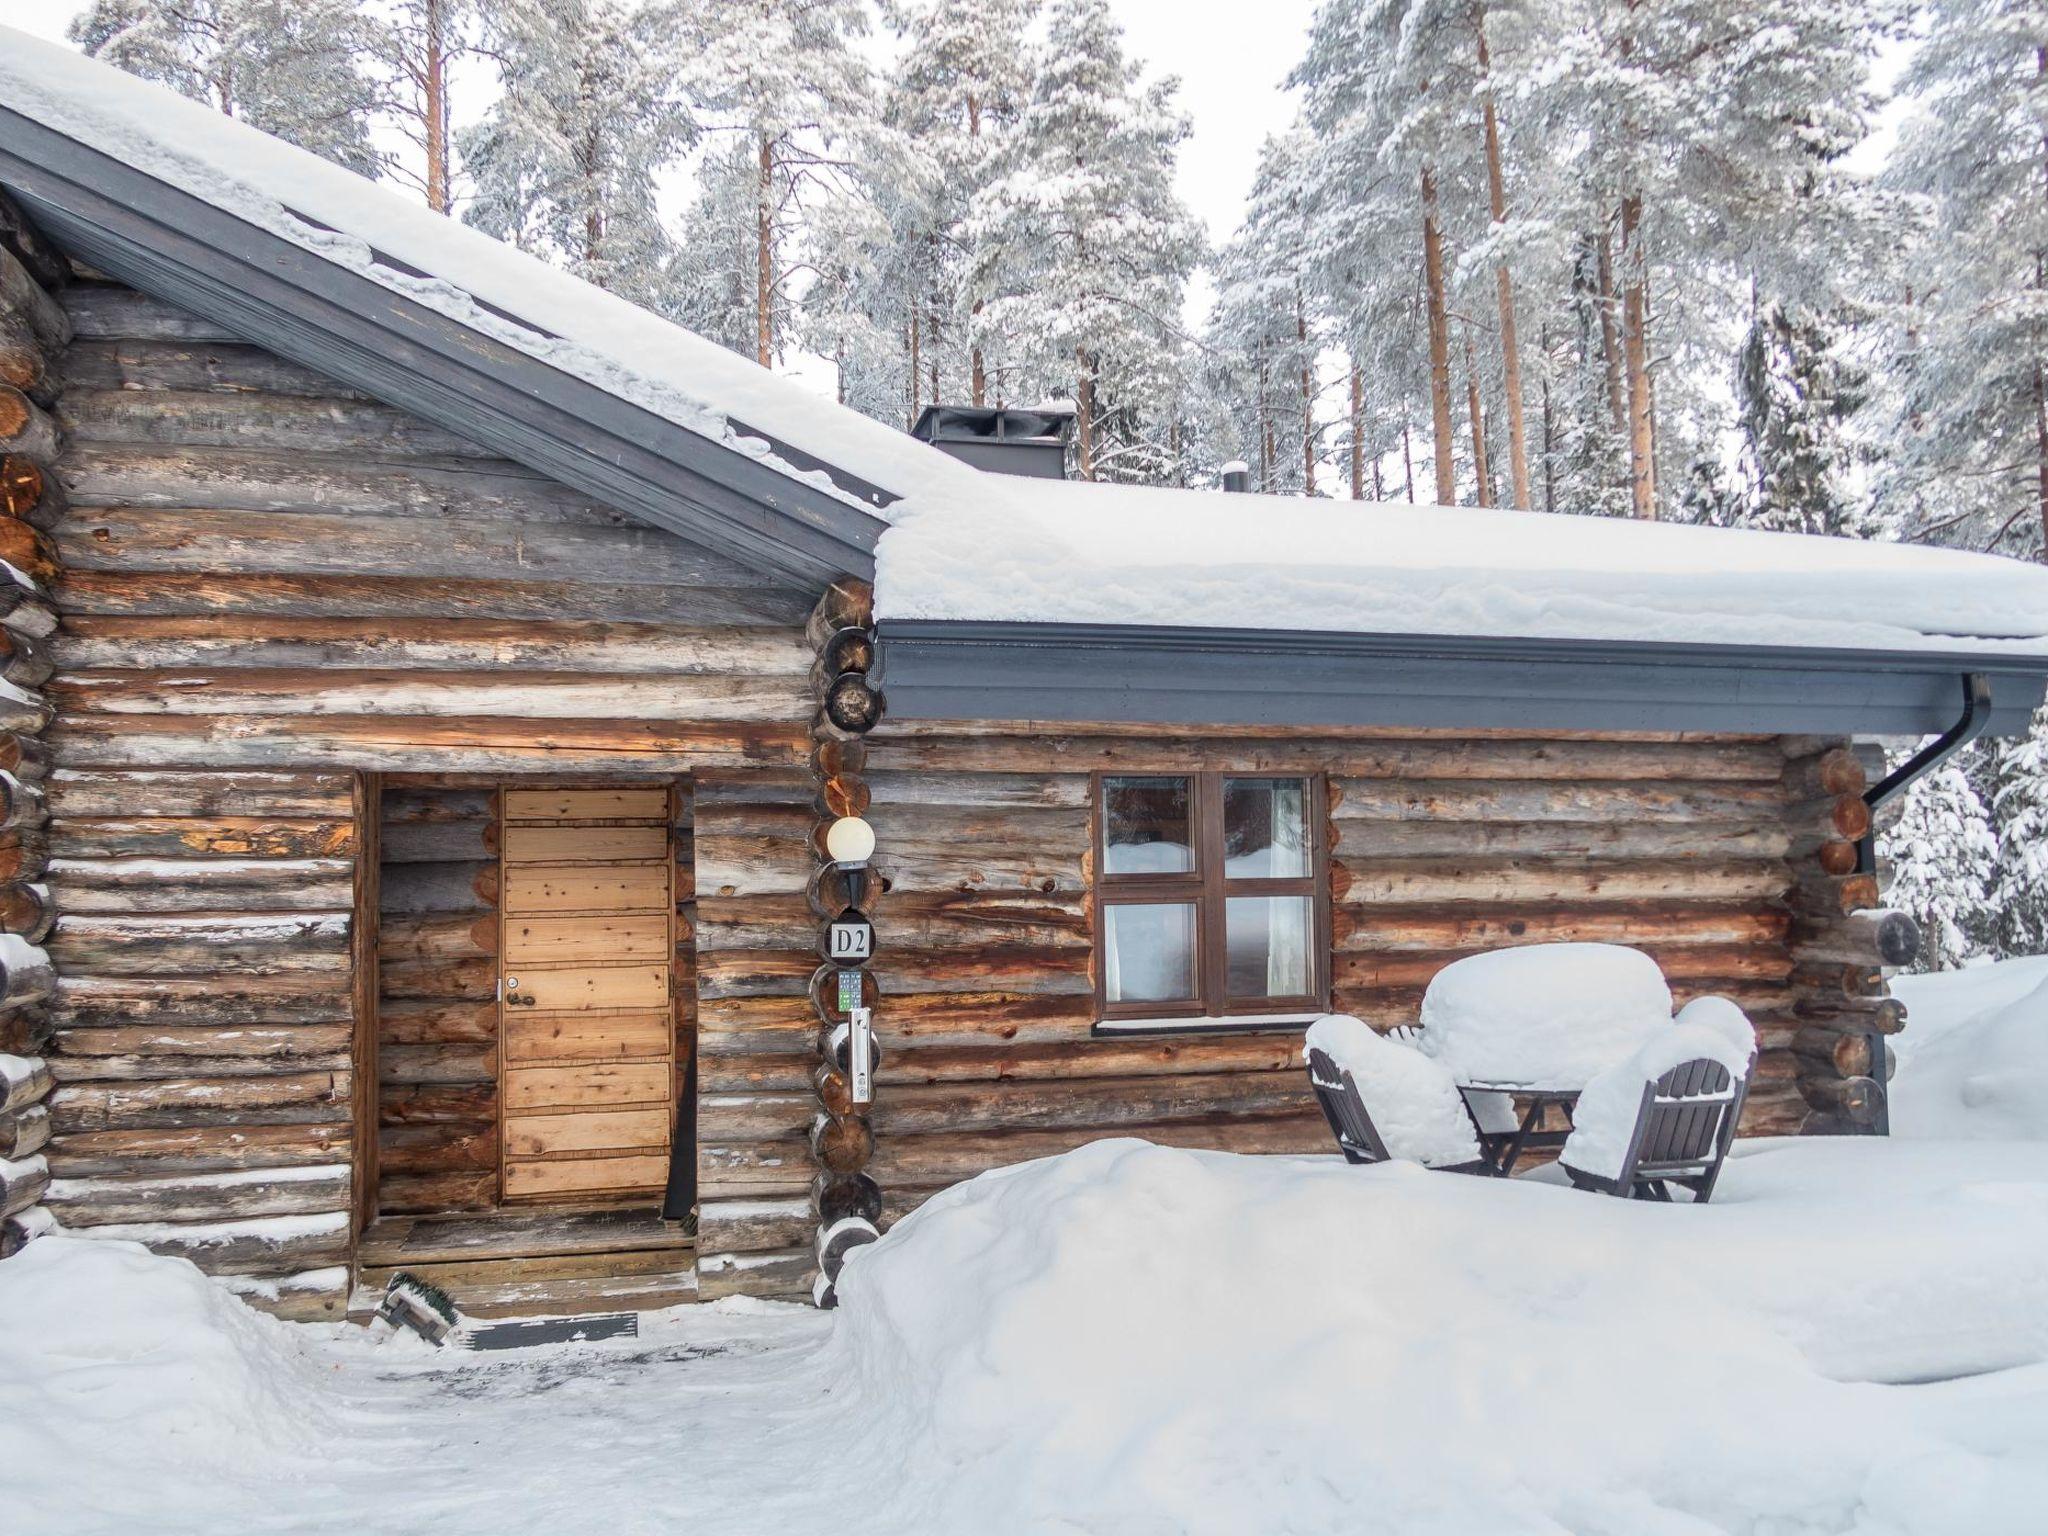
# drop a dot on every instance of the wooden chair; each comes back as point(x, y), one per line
point(1357, 1137)
point(1682, 1133)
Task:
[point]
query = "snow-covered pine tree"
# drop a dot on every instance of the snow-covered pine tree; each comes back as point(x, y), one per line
point(1971, 458)
point(782, 79)
point(289, 67)
point(564, 164)
point(2019, 808)
point(1086, 248)
point(1796, 391)
point(1943, 858)
point(419, 44)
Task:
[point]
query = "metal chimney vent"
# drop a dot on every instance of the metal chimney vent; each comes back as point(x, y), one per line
point(1004, 440)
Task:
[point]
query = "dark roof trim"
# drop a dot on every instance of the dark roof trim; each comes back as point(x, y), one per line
point(282, 296)
point(950, 670)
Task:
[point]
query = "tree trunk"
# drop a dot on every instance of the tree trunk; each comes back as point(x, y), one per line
point(1308, 397)
point(1635, 318)
point(1503, 281)
point(435, 101)
point(1084, 413)
point(1482, 478)
point(1439, 342)
point(2041, 452)
point(916, 361)
point(1357, 434)
point(977, 369)
point(1408, 462)
point(1610, 340)
point(764, 258)
point(1549, 433)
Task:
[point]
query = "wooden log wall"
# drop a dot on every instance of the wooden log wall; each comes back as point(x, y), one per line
point(273, 589)
point(1443, 845)
point(33, 331)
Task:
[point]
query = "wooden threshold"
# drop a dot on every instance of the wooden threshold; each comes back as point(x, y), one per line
point(398, 1241)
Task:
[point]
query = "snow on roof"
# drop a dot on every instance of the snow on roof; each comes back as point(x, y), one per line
point(470, 277)
point(1063, 552)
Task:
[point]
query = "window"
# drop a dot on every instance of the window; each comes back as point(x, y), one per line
point(1211, 894)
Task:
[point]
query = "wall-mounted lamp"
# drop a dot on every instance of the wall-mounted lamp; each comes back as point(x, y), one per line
point(850, 842)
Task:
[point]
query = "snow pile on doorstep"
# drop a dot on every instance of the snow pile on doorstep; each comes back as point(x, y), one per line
point(483, 283)
point(1410, 1097)
point(1047, 551)
point(1605, 1117)
point(1973, 1060)
point(1132, 1339)
point(1549, 1015)
point(121, 1358)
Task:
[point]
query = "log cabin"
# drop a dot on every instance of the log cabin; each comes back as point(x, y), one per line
point(446, 708)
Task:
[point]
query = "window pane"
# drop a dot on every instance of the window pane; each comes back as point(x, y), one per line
point(1265, 829)
point(1149, 952)
point(1269, 938)
point(1147, 827)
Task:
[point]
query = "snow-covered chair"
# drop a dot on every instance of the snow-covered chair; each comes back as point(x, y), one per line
point(1667, 1114)
point(1384, 1099)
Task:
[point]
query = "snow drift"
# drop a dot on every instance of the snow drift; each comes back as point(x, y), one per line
point(1973, 1061)
point(1135, 1339)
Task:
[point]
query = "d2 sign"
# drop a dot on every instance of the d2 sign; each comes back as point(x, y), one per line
point(849, 939)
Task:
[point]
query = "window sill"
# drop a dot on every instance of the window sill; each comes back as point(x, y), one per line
point(1200, 1024)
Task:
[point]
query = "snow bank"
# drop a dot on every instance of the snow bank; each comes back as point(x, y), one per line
point(1605, 1117)
point(1973, 1060)
point(138, 1361)
point(1043, 551)
point(1548, 1015)
point(1413, 1103)
point(1133, 1339)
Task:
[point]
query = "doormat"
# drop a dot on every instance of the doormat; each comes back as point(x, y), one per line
point(552, 1330)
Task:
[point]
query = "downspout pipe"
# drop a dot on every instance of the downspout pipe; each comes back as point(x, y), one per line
point(1975, 720)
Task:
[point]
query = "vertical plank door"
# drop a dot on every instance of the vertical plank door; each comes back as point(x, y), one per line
point(587, 1031)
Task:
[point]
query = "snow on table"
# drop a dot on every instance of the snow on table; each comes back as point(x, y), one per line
point(1047, 551)
point(1543, 1016)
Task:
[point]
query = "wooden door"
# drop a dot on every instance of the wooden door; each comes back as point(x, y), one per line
point(586, 1012)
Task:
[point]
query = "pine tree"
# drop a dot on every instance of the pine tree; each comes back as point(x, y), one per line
point(565, 162)
point(419, 44)
point(2019, 806)
point(1943, 857)
point(288, 67)
point(1086, 248)
point(1796, 393)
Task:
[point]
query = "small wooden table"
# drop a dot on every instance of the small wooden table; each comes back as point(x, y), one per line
point(1501, 1150)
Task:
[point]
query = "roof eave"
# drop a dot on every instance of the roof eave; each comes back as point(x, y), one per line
point(971, 670)
point(315, 312)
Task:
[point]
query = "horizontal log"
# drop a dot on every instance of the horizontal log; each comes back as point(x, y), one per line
point(24, 661)
point(433, 1149)
point(435, 1021)
point(26, 910)
point(438, 1062)
point(463, 1104)
point(432, 1193)
point(268, 1245)
point(272, 1099)
point(1830, 979)
point(440, 842)
point(429, 644)
point(1841, 1053)
point(1683, 845)
point(26, 1032)
point(161, 1150)
point(26, 974)
point(22, 710)
point(1552, 800)
point(462, 936)
point(1881, 1015)
point(842, 1145)
point(786, 1274)
point(1878, 937)
point(1412, 881)
point(23, 365)
point(142, 364)
point(242, 1195)
point(483, 744)
point(186, 792)
point(1827, 775)
point(24, 283)
point(24, 609)
point(408, 596)
point(470, 980)
point(219, 1000)
point(753, 1226)
point(527, 696)
point(106, 311)
point(144, 886)
point(1429, 928)
point(997, 1060)
point(173, 944)
point(958, 1108)
point(21, 802)
point(181, 419)
point(1857, 1100)
point(189, 837)
point(930, 1161)
point(848, 602)
point(25, 428)
point(156, 1051)
point(24, 1132)
point(26, 757)
point(22, 1183)
point(161, 529)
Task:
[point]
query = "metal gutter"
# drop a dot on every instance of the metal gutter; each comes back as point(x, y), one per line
point(292, 301)
point(962, 670)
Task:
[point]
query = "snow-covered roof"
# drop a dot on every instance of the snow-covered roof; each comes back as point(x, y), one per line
point(1053, 552)
point(439, 262)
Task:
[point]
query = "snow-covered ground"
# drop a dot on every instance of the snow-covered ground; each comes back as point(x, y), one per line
point(1136, 1340)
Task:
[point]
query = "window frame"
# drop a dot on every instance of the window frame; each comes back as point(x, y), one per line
point(1208, 888)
